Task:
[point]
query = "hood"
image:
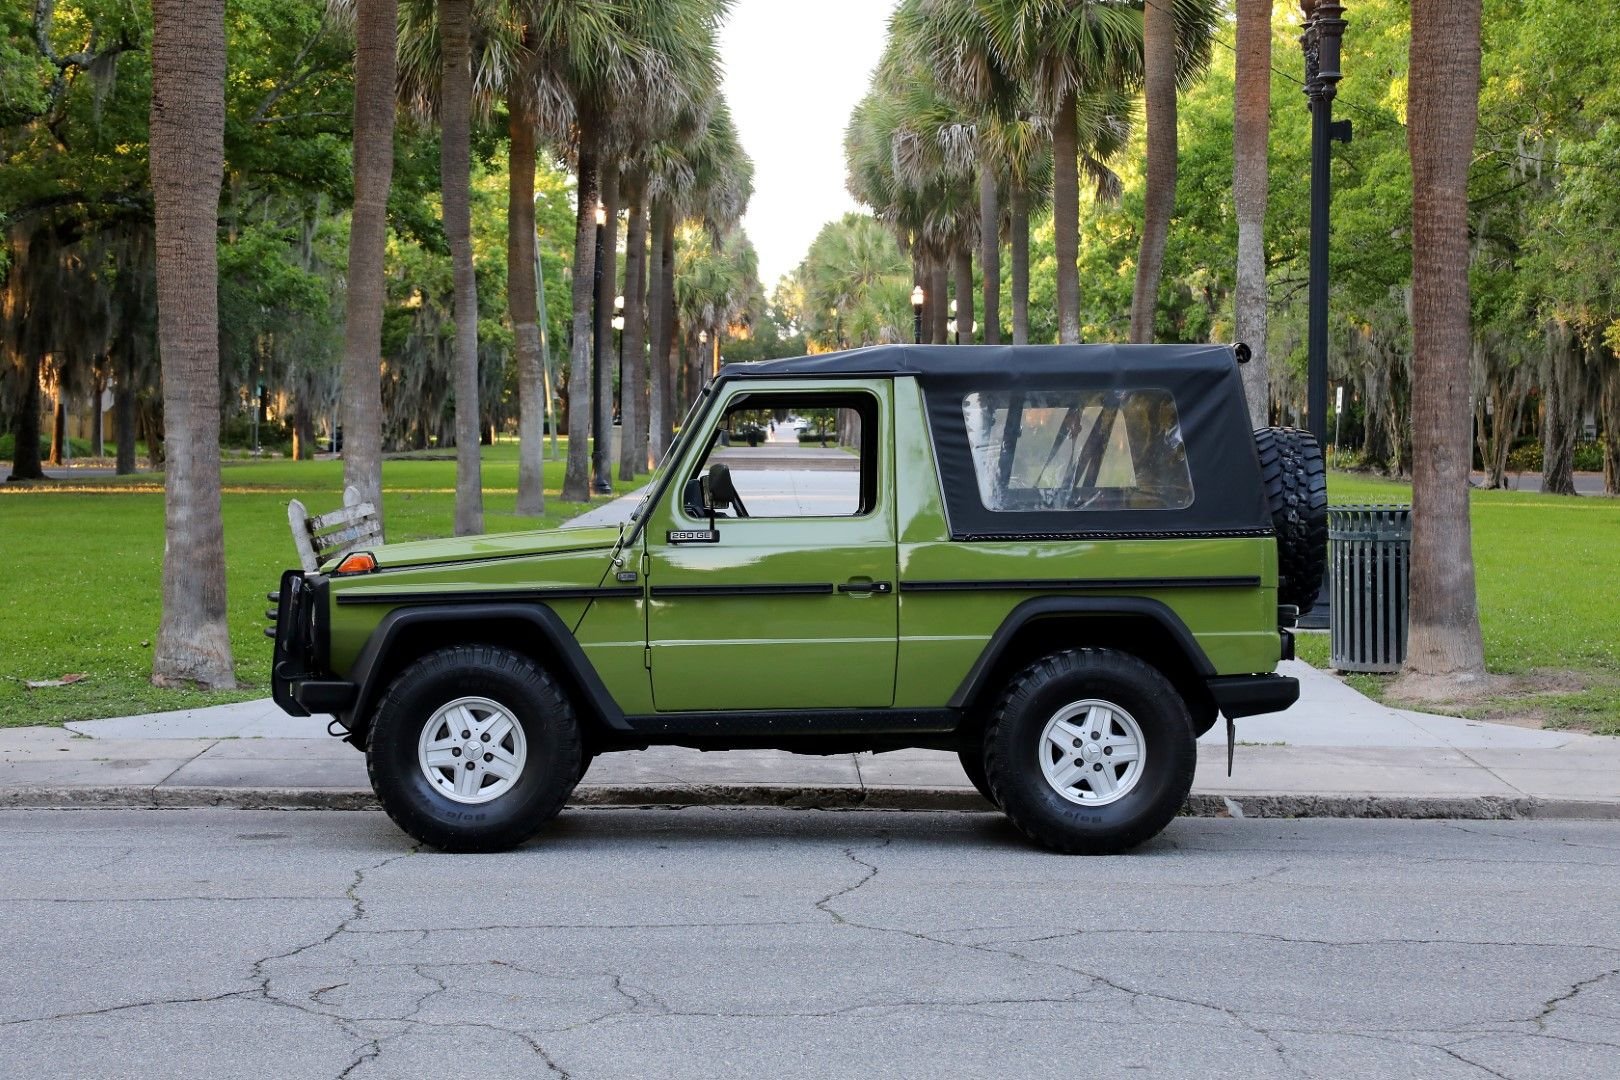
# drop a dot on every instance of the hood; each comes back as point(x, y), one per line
point(497, 546)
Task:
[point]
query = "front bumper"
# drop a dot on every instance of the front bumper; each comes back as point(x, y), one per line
point(299, 682)
point(1251, 695)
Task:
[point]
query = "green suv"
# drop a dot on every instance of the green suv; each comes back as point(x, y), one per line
point(1060, 562)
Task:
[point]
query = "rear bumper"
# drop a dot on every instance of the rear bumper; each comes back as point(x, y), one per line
point(1251, 695)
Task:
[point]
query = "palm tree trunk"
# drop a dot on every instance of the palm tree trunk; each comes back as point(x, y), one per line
point(1444, 637)
point(521, 294)
point(990, 252)
point(1019, 240)
point(939, 289)
point(361, 409)
point(633, 379)
point(58, 427)
point(964, 295)
point(1159, 93)
point(1610, 404)
point(97, 387)
point(607, 283)
point(1251, 129)
point(577, 479)
point(455, 167)
point(1066, 218)
point(193, 643)
point(657, 425)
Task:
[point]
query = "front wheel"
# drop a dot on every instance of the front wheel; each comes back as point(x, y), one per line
point(473, 748)
point(1091, 751)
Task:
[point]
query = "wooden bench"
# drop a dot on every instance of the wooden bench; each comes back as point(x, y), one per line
point(330, 536)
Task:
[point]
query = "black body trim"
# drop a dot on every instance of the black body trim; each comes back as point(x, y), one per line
point(1127, 584)
point(1045, 607)
point(1251, 695)
point(789, 723)
point(557, 635)
point(660, 592)
point(301, 637)
point(490, 596)
point(1122, 534)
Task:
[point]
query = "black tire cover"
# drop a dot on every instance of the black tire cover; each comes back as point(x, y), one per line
point(1295, 479)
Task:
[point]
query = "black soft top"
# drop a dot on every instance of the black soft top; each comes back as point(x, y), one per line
point(1228, 495)
point(1166, 362)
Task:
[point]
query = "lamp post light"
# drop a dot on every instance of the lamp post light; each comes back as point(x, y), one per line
point(917, 298)
point(1321, 41)
point(955, 329)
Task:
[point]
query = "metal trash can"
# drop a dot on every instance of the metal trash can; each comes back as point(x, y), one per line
point(1370, 551)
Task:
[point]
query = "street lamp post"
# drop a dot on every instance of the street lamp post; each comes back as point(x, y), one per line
point(917, 298)
point(601, 416)
point(1323, 34)
point(1321, 40)
point(956, 330)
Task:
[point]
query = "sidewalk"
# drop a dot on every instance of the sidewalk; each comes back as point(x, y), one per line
point(1336, 753)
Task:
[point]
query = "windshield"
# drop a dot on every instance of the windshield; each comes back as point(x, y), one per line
point(656, 481)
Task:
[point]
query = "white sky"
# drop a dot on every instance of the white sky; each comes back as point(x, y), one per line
point(794, 71)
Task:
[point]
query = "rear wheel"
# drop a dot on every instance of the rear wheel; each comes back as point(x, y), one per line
point(1091, 751)
point(971, 755)
point(473, 748)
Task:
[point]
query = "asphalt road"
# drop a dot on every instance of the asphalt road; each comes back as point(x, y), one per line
point(751, 943)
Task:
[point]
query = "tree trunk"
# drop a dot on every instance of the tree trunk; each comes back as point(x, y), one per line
point(1251, 130)
point(657, 425)
point(303, 432)
point(990, 252)
point(124, 410)
point(521, 294)
point(1611, 425)
point(633, 378)
point(577, 480)
point(1066, 218)
point(25, 461)
point(1019, 240)
point(59, 429)
point(360, 409)
point(455, 169)
point(1445, 647)
point(607, 287)
point(1159, 205)
point(98, 386)
point(666, 346)
point(1561, 419)
point(187, 163)
point(939, 288)
point(964, 295)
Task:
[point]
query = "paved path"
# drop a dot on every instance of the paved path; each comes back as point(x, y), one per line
point(745, 943)
point(1586, 483)
point(1336, 752)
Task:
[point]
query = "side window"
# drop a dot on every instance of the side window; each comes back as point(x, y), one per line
point(1078, 450)
point(794, 456)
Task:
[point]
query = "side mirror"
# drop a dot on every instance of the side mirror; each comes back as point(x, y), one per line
point(721, 491)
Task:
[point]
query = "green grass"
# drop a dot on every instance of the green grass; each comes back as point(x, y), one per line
point(1548, 574)
point(83, 560)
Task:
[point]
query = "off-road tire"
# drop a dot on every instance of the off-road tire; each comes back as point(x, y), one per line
point(971, 754)
point(537, 704)
point(1295, 480)
point(1013, 745)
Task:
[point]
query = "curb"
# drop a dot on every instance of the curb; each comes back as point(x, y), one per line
point(1408, 807)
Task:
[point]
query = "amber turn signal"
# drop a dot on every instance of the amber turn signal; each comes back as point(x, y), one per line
point(360, 562)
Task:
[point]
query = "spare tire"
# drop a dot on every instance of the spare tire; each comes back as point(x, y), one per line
point(1295, 481)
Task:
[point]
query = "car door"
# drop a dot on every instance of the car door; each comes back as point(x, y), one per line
point(792, 607)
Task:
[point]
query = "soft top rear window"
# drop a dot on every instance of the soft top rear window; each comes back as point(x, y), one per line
point(1077, 449)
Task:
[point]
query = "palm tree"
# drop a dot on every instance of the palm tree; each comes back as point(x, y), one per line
point(1175, 48)
point(1445, 655)
point(1251, 129)
point(521, 278)
point(188, 155)
point(455, 182)
point(376, 23)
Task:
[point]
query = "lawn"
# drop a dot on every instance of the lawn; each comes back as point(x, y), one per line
point(1548, 571)
point(83, 560)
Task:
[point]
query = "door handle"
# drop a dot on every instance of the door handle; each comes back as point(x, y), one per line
point(861, 587)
